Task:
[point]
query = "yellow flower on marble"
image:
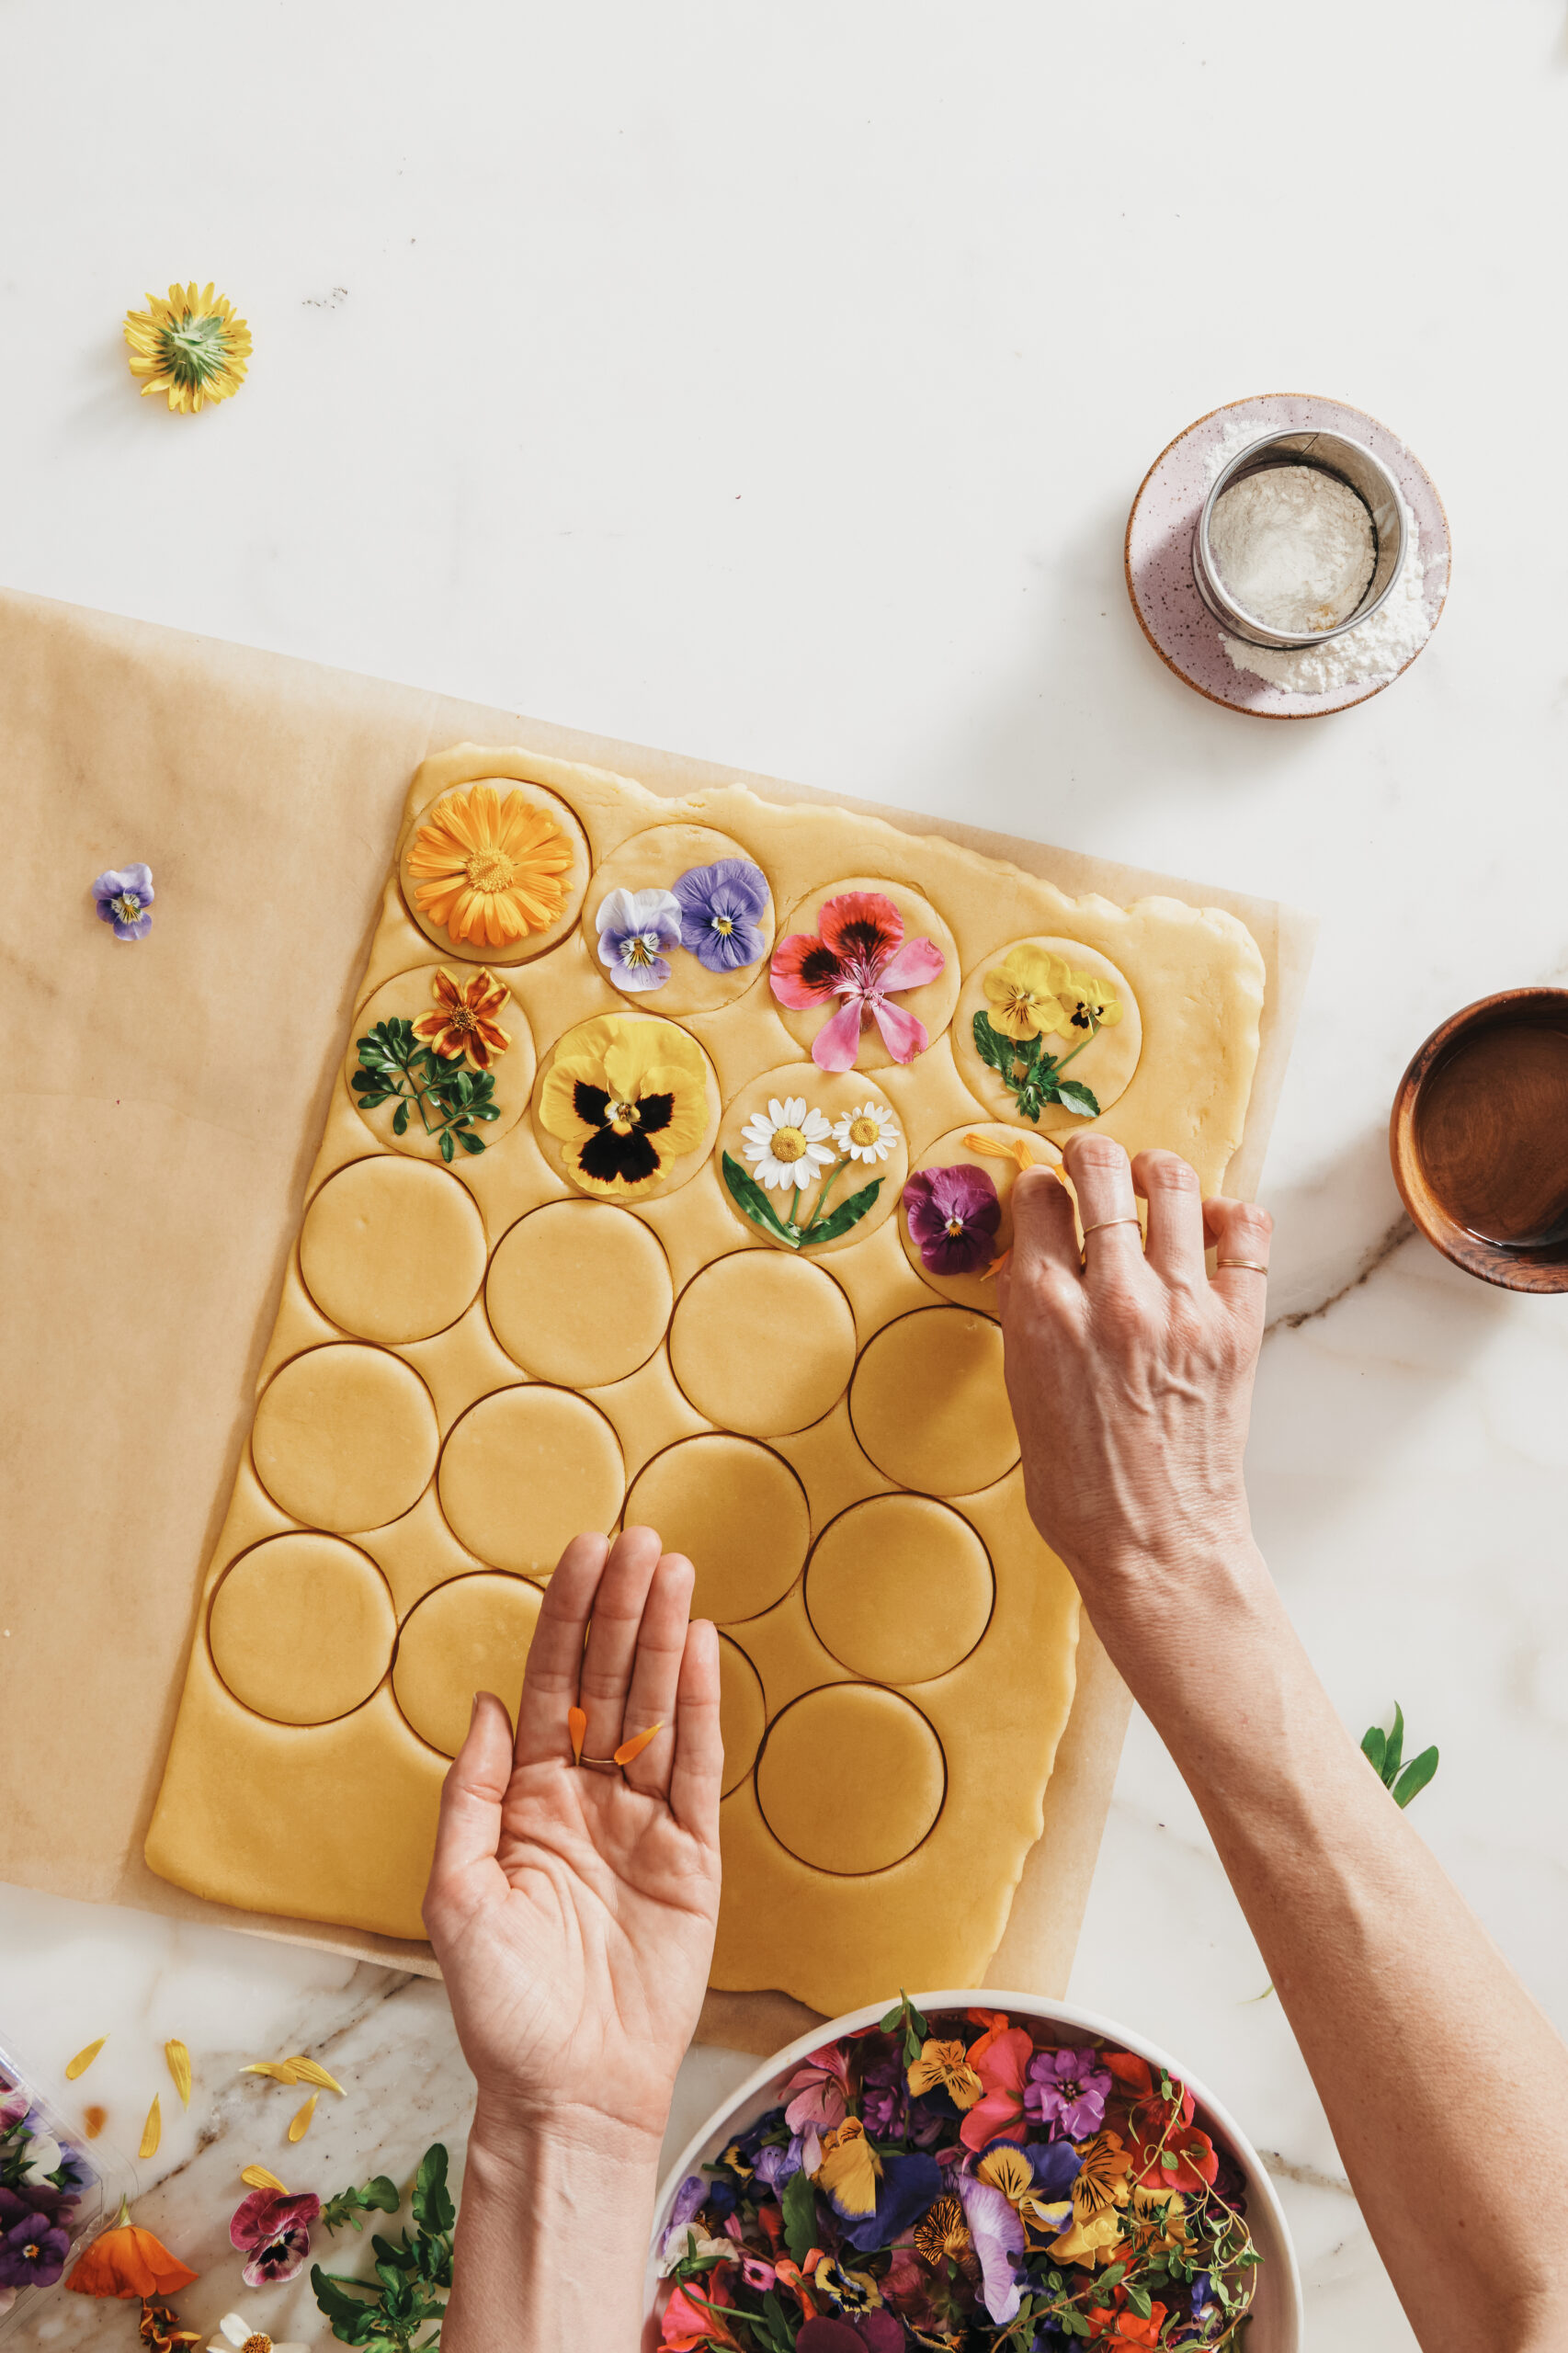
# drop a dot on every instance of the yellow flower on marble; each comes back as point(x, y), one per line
point(1024, 992)
point(191, 347)
point(627, 1098)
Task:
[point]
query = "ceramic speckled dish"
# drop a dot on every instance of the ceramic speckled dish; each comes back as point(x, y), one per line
point(1159, 542)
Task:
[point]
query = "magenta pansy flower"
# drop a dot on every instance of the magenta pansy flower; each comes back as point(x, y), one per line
point(275, 2232)
point(953, 1216)
point(859, 954)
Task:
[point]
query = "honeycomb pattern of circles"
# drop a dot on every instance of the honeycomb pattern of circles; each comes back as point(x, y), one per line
point(851, 1118)
point(301, 1629)
point(561, 1258)
point(743, 1716)
point(656, 860)
point(345, 1437)
point(930, 1405)
point(931, 1004)
point(524, 1471)
point(471, 1634)
point(851, 1778)
point(391, 1250)
point(626, 1106)
point(1001, 1170)
point(738, 1513)
point(1105, 1065)
point(900, 1588)
point(409, 996)
point(475, 842)
point(762, 1344)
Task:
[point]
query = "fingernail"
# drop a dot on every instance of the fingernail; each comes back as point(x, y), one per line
point(474, 1711)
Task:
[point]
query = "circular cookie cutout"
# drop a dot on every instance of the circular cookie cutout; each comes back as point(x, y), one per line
point(931, 1003)
point(483, 858)
point(900, 1588)
point(471, 1634)
point(851, 1778)
point(742, 1715)
point(626, 1105)
point(738, 1513)
point(524, 1472)
point(301, 1629)
point(1045, 967)
point(762, 1343)
point(391, 1250)
point(941, 1206)
point(837, 1129)
point(719, 916)
point(345, 1437)
point(411, 996)
point(930, 1405)
point(579, 1292)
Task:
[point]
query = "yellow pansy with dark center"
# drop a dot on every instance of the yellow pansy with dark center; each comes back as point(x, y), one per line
point(1101, 2179)
point(849, 2168)
point(1025, 993)
point(1010, 2171)
point(942, 2231)
point(626, 1099)
point(944, 2066)
point(1090, 1005)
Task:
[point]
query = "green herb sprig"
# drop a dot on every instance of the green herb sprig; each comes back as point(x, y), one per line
point(905, 2020)
point(1384, 1752)
point(796, 1232)
point(449, 1097)
point(1032, 1077)
point(386, 2315)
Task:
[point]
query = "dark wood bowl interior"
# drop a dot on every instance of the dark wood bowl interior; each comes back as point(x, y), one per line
point(1478, 1139)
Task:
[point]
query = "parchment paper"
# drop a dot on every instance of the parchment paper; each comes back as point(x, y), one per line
point(164, 1104)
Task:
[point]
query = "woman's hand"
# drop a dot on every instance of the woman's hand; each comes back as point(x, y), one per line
point(1131, 1372)
point(571, 1909)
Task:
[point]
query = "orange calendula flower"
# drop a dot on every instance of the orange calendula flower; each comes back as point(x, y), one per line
point(464, 1024)
point(850, 2167)
point(493, 871)
point(160, 2329)
point(944, 2066)
point(128, 2261)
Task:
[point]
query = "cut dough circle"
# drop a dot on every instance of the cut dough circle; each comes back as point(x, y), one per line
point(762, 1343)
point(408, 997)
point(345, 1437)
point(391, 1250)
point(301, 1629)
point(930, 1405)
point(743, 1715)
point(1106, 1065)
point(932, 1004)
point(871, 1149)
point(579, 1292)
point(851, 1777)
point(524, 1472)
point(471, 1634)
point(738, 1513)
point(654, 859)
point(900, 1588)
point(606, 1052)
point(535, 797)
point(951, 1152)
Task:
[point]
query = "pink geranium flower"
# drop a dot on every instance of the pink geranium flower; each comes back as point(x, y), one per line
point(859, 954)
point(999, 2058)
point(818, 2100)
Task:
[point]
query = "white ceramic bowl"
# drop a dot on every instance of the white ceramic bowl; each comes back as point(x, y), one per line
point(1277, 2321)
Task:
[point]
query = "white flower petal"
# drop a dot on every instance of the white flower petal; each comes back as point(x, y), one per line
point(794, 1110)
point(777, 1113)
point(233, 2328)
point(813, 1125)
point(615, 914)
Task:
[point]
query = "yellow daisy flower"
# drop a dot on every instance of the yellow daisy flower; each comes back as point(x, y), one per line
point(1025, 993)
point(192, 346)
point(497, 868)
point(627, 1098)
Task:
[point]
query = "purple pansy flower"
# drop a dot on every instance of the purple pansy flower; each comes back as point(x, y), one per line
point(1067, 2091)
point(719, 905)
point(276, 2234)
point(775, 2164)
point(953, 1216)
point(1057, 2166)
point(123, 894)
point(32, 2253)
point(636, 929)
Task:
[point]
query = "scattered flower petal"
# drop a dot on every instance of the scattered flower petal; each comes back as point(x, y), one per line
point(83, 2059)
point(300, 2124)
point(178, 2058)
point(152, 2130)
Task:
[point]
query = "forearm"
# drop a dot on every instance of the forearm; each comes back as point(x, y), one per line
point(1435, 2069)
point(551, 2241)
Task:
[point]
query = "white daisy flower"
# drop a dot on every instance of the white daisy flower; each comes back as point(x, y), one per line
point(788, 1144)
point(238, 2336)
point(869, 1133)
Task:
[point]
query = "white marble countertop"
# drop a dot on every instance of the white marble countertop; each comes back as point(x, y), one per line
point(774, 384)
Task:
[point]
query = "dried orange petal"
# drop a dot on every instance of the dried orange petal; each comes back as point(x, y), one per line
point(577, 1725)
point(83, 2059)
point(93, 2121)
point(634, 1747)
point(301, 2123)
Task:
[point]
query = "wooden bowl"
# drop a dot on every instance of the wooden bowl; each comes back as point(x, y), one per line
point(1478, 1139)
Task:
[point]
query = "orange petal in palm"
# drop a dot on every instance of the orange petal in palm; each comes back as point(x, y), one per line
point(634, 1747)
point(577, 1725)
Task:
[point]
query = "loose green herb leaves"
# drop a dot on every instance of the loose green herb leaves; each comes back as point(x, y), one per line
point(378, 2196)
point(433, 2208)
point(1032, 1077)
point(797, 1233)
point(386, 2315)
point(395, 1066)
point(1384, 1751)
point(905, 2020)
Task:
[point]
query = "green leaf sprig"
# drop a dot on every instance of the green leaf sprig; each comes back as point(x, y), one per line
point(449, 1097)
point(1032, 1077)
point(1384, 1751)
point(798, 1233)
point(386, 2315)
point(905, 2020)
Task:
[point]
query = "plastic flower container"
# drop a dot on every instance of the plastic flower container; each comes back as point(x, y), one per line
point(71, 2185)
point(1277, 2322)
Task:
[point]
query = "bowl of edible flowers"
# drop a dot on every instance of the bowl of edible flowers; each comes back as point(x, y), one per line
point(967, 2171)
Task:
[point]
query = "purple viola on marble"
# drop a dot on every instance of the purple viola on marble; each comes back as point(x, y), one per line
point(953, 1217)
point(721, 907)
point(637, 930)
point(124, 895)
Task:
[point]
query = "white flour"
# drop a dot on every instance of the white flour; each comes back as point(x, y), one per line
point(1294, 547)
point(1376, 650)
